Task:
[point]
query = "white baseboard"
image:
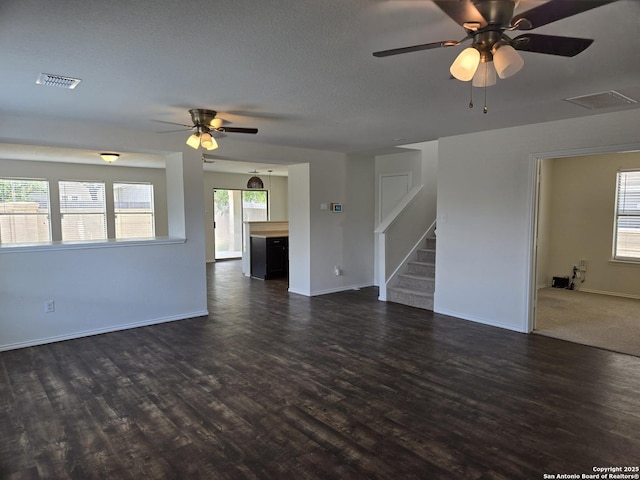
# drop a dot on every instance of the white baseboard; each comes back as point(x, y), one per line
point(299, 292)
point(483, 321)
point(613, 294)
point(340, 289)
point(98, 331)
point(316, 293)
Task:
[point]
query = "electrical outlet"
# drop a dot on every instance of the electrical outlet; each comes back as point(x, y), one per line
point(49, 306)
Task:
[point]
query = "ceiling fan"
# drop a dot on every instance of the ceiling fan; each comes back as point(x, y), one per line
point(204, 123)
point(492, 51)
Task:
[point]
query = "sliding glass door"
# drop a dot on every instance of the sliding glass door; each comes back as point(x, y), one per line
point(230, 209)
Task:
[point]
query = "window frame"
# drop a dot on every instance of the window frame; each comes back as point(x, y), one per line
point(46, 215)
point(621, 212)
point(63, 212)
point(117, 211)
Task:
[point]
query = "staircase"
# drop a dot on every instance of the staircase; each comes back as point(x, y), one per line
point(415, 286)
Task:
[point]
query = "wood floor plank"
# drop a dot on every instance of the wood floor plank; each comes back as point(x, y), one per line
point(273, 385)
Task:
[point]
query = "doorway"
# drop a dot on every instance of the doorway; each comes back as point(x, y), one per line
point(231, 208)
point(598, 301)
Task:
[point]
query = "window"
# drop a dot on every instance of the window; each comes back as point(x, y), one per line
point(133, 207)
point(254, 205)
point(627, 227)
point(24, 211)
point(83, 211)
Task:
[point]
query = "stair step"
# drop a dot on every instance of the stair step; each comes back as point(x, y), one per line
point(419, 283)
point(427, 255)
point(425, 269)
point(431, 243)
point(410, 297)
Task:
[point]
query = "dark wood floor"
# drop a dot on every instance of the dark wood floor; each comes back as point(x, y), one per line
point(277, 385)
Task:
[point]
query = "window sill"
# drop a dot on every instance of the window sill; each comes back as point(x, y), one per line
point(49, 246)
point(629, 261)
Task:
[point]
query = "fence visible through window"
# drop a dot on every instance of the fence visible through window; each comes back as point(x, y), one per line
point(24, 211)
point(133, 208)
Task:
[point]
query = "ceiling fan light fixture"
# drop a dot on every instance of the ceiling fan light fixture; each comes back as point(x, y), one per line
point(213, 145)
point(507, 61)
point(194, 141)
point(216, 123)
point(208, 142)
point(465, 64)
point(485, 75)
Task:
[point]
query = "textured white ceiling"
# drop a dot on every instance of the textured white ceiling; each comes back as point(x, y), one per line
point(299, 70)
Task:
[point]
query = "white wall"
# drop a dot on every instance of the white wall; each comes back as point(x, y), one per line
point(299, 229)
point(342, 239)
point(358, 224)
point(485, 211)
point(278, 199)
point(581, 196)
point(320, 239)
point(409, 161)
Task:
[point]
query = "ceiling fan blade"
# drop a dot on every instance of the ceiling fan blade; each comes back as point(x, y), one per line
point(551, 44)
point(173, 131)
point(462, 11)
point(237, 130)
point(553, 11)
point(173, 123)
point(418, 48)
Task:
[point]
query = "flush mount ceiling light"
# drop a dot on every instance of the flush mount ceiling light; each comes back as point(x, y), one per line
point(109, 157)
point(205, 123)
point(255, 182)
point(492, 53)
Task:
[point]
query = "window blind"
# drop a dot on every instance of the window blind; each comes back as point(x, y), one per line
point(627, 231)
point(83, 210)
point(134, 210)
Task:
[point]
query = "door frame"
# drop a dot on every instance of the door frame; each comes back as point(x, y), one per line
point(535, 161)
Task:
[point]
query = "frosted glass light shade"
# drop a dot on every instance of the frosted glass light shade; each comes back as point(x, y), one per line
point(208, 142)
point(216, 123)
point(194, 141)
point(485, 75)
point(507, 61)
point(110, 157)
point(465, 64)
point(213, 144)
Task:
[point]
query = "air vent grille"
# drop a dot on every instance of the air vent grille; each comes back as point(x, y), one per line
point(608, 99)
point(58, 81)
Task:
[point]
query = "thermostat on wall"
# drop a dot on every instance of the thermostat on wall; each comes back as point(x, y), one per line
point(336, 207)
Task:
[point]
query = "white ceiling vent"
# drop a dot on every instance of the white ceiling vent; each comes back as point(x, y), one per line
point(602, 100)
point(58, 81)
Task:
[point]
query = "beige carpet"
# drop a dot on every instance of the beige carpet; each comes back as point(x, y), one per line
point(592, 319)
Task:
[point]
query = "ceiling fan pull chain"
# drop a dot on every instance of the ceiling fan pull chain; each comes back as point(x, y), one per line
point(485, 109)
point(470, 95)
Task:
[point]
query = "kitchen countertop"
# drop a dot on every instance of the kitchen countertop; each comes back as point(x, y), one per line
point(270, 234)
